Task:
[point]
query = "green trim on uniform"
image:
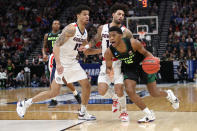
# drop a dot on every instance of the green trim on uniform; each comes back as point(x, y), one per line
point(151, 78)
point(125, 77)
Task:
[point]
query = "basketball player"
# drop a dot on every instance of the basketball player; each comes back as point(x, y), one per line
point(49, 40)
point(132, 53)
point(118, 12)
point(65, 52)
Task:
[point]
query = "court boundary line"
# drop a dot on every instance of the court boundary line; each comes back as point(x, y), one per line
point(73, 125)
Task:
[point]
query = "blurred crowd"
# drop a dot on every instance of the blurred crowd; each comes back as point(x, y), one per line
point(182, 39)
point(24, 23)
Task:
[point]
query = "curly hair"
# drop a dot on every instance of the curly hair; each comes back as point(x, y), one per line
point(119, 6)
point(80, 8)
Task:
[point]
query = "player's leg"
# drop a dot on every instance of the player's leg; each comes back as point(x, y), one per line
point(119, 90)
point(131, 91)
point(86, 88)
point(23, 105)
point(104, 90)
point(52, 68)
point(72, 88)
point(156, 92)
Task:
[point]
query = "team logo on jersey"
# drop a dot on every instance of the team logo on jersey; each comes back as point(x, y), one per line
point(115, 53)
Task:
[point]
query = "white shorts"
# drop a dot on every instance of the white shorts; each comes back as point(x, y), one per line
point(118, 76)
point(72, 73)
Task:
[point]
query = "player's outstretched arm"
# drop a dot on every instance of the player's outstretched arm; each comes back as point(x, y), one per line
point(44, 48)
point(137, 46)
point(90, 51)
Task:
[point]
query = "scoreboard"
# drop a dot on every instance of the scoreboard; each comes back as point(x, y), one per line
point(142, 3)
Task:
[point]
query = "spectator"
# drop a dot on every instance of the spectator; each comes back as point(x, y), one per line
point(35, 61)
point(27, 73)
point(10, 69)
point(35, 81)
point(195, 44)
point(44, 81)
point(182, 72)
point(20, 80)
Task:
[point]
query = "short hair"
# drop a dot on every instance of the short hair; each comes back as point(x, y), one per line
point(115, 28)
point(118, 6)
point(80, 8)
point(55, 20)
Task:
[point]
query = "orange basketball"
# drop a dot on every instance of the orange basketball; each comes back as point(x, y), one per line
point(151, 65)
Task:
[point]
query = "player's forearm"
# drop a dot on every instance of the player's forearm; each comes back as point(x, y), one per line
point(92, 51)
point(43, 51)
point(148, 54)
point(56, 52)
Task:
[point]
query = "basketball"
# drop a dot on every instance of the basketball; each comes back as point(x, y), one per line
point(151, 65)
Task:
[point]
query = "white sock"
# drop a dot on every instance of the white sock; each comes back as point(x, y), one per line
point(29, 102)
point(147, 111)
point(83, 108)
point(54, 98)
point(122, 101)
point(75, 92)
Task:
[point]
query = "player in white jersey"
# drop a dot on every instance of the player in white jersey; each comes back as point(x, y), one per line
point(67, 67)
point(118, 12)
point(48, 43)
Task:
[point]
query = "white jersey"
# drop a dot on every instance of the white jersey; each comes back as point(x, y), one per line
point(105, 37)
point(68, 51)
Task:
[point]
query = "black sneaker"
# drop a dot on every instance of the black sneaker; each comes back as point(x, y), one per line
point(78, 98)
point(53, 103)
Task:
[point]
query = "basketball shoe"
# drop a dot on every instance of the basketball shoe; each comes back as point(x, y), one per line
point(21, 108)
point(53, 103)
point(173, 99)
point(115, 105)
point(147, 118)
point(124, 117)
point(86, 116)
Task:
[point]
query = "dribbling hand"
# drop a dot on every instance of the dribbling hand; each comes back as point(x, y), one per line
point(60, 69)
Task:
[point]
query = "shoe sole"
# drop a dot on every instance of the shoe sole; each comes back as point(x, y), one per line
point(86, 119)
point(145, 121)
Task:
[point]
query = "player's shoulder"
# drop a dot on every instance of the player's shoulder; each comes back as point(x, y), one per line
point(69, 29)
point(71, 26)
point(100, 28)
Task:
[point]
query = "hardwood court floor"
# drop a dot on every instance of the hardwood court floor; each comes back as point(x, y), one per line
point(168, 119)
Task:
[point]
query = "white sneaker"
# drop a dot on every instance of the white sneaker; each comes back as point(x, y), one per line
point(86, 116)
point(147, 118)
point(173, 99)
point(21, 108)
point(115, 105)
point(124, 117)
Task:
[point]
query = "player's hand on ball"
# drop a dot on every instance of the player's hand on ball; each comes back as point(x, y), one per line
point(60, 69)
point(45, 58)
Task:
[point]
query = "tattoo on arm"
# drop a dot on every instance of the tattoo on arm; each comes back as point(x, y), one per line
point(128, 33)
point(68, 31)
point(97, 37)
